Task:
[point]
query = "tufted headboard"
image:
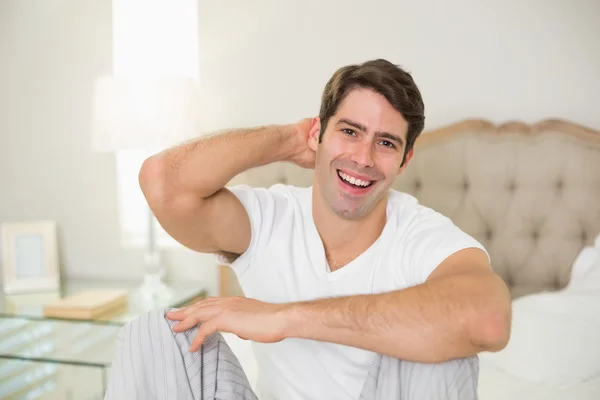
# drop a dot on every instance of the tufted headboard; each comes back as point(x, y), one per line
point(529, 193)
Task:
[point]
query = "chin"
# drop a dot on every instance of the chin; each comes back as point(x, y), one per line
point(355, 210)
point(352, 213)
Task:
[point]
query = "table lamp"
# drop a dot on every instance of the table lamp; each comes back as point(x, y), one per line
point(150, 115)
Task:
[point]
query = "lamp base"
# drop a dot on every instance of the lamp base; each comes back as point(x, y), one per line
point(153, 292)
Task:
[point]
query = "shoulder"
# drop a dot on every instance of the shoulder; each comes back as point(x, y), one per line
point(425, 237)
point(414, 216)
point(271, 211)
point(276, 198)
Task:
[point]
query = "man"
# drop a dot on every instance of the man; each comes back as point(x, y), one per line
point(342, 277)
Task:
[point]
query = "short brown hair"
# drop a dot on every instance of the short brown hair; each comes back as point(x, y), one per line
point(385, 78)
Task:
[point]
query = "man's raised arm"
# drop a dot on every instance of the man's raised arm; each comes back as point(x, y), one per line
point(184, 185)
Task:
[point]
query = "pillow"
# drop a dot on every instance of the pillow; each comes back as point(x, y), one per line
point(584, 260)
point(582, 264)
point(555, 335)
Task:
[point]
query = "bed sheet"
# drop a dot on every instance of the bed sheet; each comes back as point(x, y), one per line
point(554, 349)
point(496, 384)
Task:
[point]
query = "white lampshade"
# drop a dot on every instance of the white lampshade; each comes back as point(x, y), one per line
point(148, 114)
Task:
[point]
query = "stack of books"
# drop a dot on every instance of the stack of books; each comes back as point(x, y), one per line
point(88, 304)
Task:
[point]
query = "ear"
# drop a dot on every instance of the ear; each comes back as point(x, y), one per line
point(407, 159)
point(313, 134)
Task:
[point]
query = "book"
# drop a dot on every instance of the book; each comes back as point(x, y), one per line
point(88, 304)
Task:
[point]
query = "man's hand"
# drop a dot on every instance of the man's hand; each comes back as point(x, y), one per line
point(303, 156)
point(247, 318)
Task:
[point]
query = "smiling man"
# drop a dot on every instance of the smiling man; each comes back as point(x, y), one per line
point(354, 290)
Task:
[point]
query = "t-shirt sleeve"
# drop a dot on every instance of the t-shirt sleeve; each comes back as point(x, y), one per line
point(429, 239)
point(260, 204)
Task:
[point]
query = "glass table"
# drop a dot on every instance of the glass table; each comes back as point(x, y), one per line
point(31, 306)
point(54, 358)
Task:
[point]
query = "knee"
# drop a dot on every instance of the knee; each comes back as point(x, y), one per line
point(470, 364)
point(459, 370)
point(144, 323)
point(151, 316)
point(155, 322)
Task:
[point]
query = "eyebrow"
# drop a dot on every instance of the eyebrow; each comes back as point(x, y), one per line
point(363, 128)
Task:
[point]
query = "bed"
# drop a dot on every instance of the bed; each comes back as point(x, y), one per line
point(530, 193)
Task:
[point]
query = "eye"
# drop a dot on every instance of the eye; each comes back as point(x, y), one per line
point(348, 131)
point(389, 144)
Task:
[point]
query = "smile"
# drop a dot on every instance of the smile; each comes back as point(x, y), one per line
point(350, 180)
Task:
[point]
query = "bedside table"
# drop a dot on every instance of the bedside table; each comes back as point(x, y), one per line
point(58, 358)
point(55, 359)
point(31, 306)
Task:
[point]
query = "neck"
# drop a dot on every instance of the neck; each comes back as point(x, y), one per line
point(344, 236)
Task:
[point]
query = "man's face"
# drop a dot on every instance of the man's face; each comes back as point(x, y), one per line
point(360, 153)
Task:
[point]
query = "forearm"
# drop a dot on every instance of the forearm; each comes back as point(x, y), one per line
point(190, 167)
point(433, 322)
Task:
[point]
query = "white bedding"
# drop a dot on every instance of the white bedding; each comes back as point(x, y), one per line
point(496, 384)
point(554, 350)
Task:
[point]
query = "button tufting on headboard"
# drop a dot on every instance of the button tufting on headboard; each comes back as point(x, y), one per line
point(514, 168)
point(488, 234)
point(508, 279)
point(284, 179)
point(511, 186)
point(584, 237)
point(557, 283)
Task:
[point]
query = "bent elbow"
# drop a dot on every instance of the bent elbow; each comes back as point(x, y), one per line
point(492, 327)
point(151, 179)
point(495, 334)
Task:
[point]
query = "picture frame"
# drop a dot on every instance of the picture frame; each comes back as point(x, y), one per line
point(29, 257)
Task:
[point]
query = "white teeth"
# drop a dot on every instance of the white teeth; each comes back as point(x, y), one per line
point(353, 180)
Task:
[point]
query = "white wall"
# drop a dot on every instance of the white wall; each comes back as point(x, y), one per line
point(266, 61)
point(50, 53)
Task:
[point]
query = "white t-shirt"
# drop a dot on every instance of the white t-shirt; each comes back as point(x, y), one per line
point(286, 262)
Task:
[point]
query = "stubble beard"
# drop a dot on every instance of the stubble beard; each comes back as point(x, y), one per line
point(349, 207)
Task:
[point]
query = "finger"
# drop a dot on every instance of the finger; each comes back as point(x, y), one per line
point(197, 316)
point(177, 315)
point(210, 299)
point(182, 313)
point(188, 323)
point(207, 300)
point(185, 311)
point(206, 329)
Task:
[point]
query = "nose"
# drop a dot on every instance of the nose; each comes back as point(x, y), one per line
point(362, 154)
